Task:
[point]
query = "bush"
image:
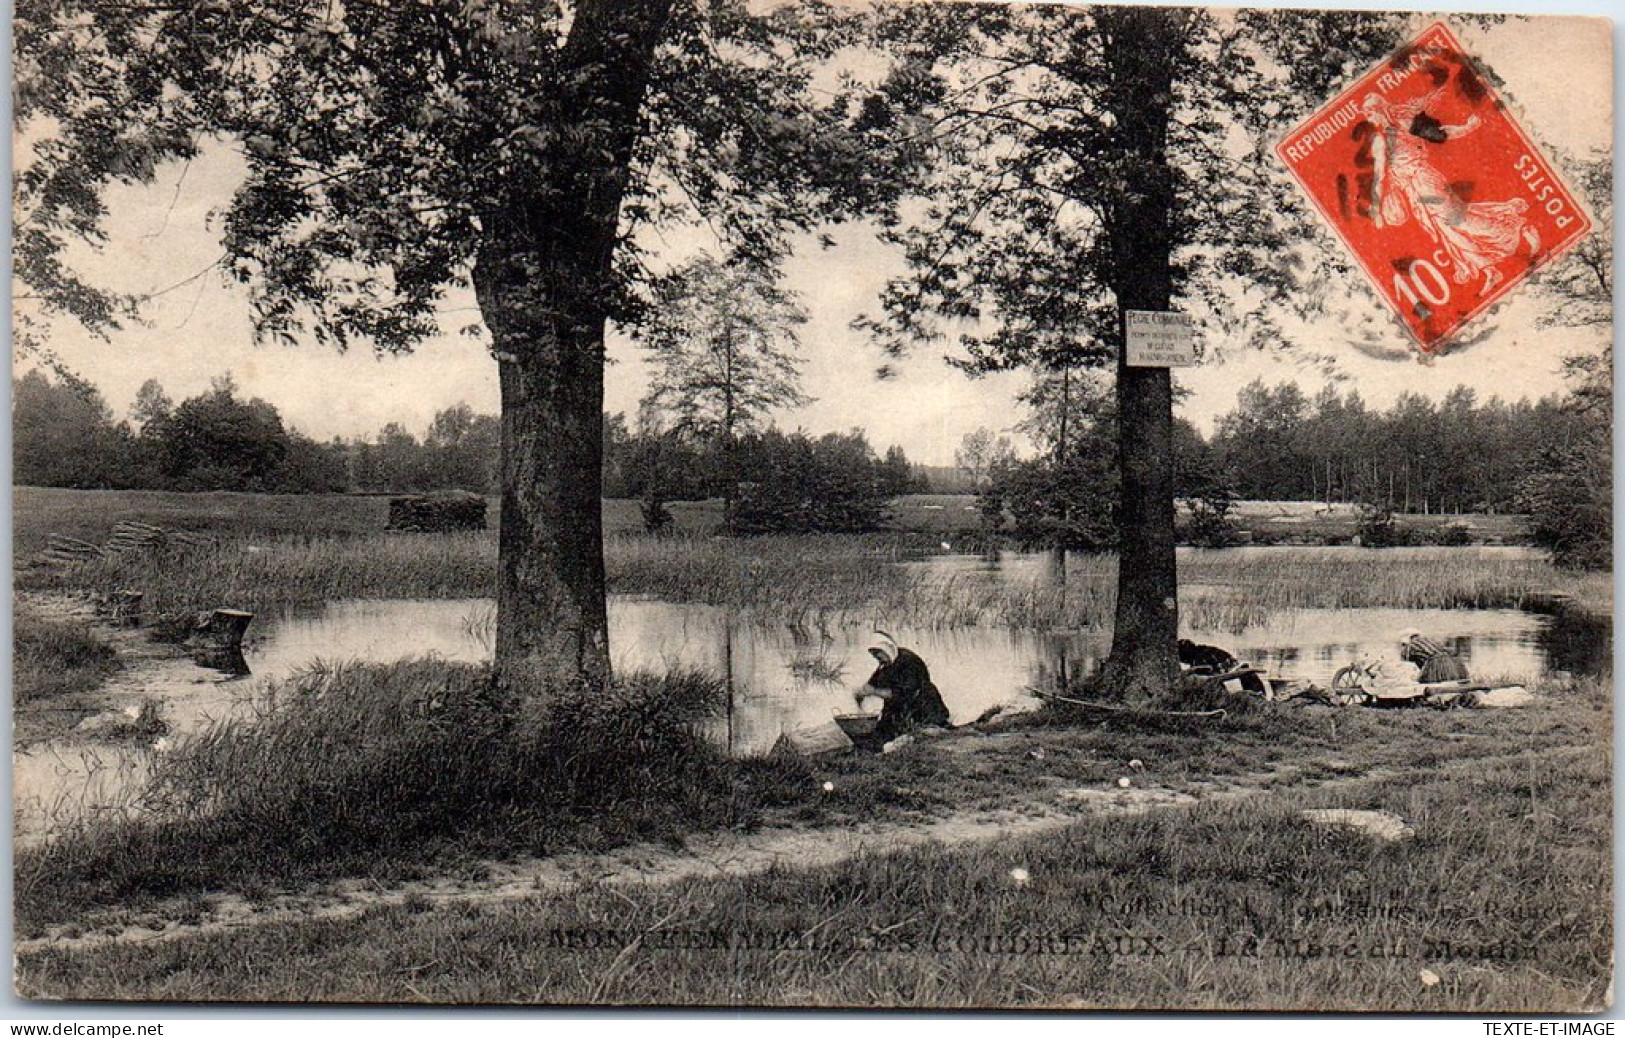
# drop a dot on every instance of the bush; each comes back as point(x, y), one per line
point(367, 755)
point(1060, 506)
point(1378, 528)
point(1211, 524)
point(657, 518)
point(382, 769)
point(1569, 498)
point(795, 484)
point(1453, 535)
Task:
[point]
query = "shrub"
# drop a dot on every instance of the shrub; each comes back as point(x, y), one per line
point(1569, 498)
point(383, 769)
point(657, 518)
point(1066, 505)
point(795, 484)
point(1211, 524)
point(1378, 528)
point(368, 755)
point(1453, 535)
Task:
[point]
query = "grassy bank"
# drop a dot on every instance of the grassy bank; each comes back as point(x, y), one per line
point(53, 658)
point(57, 666)
point(381, 770)
point(384, 771)
point(1502, 897)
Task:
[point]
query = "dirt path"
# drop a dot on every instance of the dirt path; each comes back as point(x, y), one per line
point(704, 856)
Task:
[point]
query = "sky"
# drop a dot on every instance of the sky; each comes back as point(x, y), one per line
point(196, 325)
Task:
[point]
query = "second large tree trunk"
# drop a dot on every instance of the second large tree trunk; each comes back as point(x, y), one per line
point(1142, 44)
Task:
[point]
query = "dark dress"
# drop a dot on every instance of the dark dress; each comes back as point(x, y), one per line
point(914, 702)
point(1210, 659)
point(1437, 663)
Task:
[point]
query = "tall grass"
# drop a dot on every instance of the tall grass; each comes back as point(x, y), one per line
point(1442, 578)
point(370, 767)
point(274, 573)
point(831, 580)
point(52, 657)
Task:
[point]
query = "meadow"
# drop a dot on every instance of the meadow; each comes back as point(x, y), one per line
point(281, 551)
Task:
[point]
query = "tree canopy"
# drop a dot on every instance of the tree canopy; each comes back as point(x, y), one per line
point(395, 151)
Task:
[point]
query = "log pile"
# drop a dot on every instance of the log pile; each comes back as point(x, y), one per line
point(66, 551)
point(128, 536)
point(437, 513)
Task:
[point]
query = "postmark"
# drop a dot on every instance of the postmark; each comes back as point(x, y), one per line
point(1439, 194)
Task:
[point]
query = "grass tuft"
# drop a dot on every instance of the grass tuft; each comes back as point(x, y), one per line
point(374, 768)
point(52, 658)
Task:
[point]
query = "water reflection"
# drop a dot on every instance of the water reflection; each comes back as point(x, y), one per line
point(788, 677)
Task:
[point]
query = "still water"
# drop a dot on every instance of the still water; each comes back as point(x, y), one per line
point(782, 678)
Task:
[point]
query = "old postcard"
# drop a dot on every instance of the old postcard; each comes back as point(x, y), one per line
point(889, 505)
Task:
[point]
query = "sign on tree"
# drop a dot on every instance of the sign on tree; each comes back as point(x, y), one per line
point(1159, 339)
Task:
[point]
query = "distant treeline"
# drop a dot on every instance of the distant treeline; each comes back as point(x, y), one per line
point(65, 435)
point(1456, 455)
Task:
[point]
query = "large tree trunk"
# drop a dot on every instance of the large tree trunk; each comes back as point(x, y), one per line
point(543, 281)
point(552, 624)
point(1140, 51)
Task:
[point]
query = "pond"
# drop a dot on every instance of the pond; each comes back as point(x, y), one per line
point(783, 678)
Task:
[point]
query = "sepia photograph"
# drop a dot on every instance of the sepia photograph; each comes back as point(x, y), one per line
point(761, 504)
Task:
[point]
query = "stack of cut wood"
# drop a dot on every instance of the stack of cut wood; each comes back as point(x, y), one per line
point(128, 536)
point(67, 550)
point(134, 536)
point(437, 513)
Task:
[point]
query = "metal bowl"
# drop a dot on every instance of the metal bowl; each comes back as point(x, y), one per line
point(857, 726)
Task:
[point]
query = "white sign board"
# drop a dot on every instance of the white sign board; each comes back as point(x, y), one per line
point(1159, 339)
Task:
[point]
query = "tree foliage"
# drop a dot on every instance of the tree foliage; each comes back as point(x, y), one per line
point(63, 435)
point(384, 142)
point(793, 483)
point(722, 341)
point(396, 151)
point(982, 455)
point(216, 441)
point(1459, 454)
point(1014, 252)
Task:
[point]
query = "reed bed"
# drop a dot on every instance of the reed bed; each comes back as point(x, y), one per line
point(288, 572)
point(832, 581)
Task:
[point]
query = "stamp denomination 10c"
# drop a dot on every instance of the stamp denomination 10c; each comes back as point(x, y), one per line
point(1440, 195)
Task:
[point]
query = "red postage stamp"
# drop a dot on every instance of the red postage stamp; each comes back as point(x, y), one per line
point(1437, 191)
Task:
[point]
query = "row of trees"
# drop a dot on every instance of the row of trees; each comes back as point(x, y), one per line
point(1458, 454)
point(65, 435)
point(1043, 168)
point(1550, 459)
